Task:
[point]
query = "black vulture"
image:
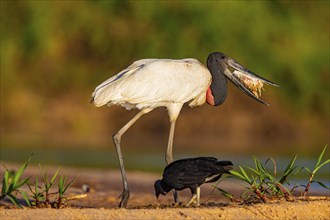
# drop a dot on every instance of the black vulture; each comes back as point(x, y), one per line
point(191, 173)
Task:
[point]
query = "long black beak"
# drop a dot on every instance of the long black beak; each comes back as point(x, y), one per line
point(249, 82)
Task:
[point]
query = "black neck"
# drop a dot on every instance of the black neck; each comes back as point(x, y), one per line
point(219, 83)
point(165, 186)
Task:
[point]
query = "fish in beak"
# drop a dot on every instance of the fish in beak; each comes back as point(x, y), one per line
point(247, 81)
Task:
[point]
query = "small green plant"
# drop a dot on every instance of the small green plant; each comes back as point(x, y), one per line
point(12, 183)
point(40, 195)
point(255, 182)
point(48, 184)
point(316, 168)
point(265, 185)
point(62, 188)
point(36, 195)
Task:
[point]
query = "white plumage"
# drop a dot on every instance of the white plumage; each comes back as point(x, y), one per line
point(150, 83)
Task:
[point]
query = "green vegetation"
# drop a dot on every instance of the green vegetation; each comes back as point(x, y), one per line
point(264, 184)
point(48, 184)
point(317, 167)
point(67, 45)
point(54, 53)
point(36, 195)
point(62, 187)
point(12, 184)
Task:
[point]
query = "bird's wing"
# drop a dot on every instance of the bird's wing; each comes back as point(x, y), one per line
point(153, 82)
point(178, 163)
point(122, 74)
point(192, 171)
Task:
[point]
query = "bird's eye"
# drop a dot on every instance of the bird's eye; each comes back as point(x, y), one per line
point(223, 57)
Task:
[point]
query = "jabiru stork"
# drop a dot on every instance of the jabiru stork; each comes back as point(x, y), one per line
point(150, 83)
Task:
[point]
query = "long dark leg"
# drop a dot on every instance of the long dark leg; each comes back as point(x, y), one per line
point(116, 139)
point(169, 155)
point(173, 112)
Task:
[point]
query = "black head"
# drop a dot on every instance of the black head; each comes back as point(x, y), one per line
point(159, 189)
point(247, 81)
point(217, 59)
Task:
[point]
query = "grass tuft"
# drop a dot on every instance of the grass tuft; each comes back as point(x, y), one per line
point(12, 182)
point(40, 195)
point(264, 184)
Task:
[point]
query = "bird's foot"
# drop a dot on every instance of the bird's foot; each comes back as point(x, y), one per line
point(175, 205)
point(124, 199)
point(190, 205)
point(193, 198)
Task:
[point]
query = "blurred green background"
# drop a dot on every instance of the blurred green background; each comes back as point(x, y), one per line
point(54, 53)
